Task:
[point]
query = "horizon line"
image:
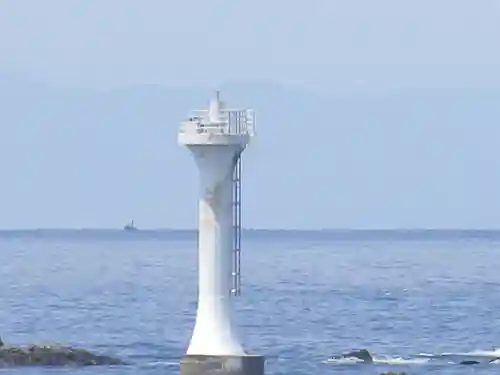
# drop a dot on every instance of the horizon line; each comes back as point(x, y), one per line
point(404, 229)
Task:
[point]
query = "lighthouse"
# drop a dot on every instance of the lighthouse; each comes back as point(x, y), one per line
point(216, 138)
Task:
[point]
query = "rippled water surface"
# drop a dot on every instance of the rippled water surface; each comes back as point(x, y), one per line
point(305, 298)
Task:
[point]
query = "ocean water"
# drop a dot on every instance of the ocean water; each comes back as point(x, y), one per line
point(408, 297)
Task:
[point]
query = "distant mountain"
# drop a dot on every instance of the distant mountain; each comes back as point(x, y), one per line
point(83, 158)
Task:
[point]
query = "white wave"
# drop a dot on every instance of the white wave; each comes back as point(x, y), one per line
point(487, 353)
point(400, 361)
point(344, 361)
point(161, 364)
point(482, 356)
point(379, 361)
point(426, 355)
point(476, 353)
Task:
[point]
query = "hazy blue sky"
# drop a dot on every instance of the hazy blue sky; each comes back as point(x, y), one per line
point(372, 114)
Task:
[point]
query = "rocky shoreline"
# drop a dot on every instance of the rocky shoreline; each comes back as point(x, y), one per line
point(52, 355)
point(364, 356)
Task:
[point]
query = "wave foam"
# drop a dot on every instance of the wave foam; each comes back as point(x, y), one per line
point(481, 356)
point(379, 361)
point(400, 361)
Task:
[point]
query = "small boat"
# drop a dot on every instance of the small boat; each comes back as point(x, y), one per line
point(130, 227)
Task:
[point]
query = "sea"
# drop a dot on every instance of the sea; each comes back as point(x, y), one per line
point(420, 301)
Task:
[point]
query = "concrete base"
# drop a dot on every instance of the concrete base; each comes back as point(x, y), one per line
point(222, 365)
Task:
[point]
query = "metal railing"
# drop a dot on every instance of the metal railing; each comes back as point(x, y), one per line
point(231, 122)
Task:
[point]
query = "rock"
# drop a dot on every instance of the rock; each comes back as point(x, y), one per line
point(361, 354)
point(472, 362)
point(469, 362)
point(53, 355)
point(1, 342)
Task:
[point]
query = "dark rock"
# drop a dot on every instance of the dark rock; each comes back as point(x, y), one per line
point(53, 355)
point(470, 362)
point(1, 342)
point(361, 354)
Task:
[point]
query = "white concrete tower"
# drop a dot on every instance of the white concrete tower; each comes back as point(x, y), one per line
point(216, 138)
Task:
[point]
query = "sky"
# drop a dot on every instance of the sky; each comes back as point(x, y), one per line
point(371, 114)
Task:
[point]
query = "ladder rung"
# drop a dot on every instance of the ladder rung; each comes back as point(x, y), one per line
point(236, 204)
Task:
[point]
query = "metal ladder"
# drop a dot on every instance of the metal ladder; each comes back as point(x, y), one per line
point(236, 256)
